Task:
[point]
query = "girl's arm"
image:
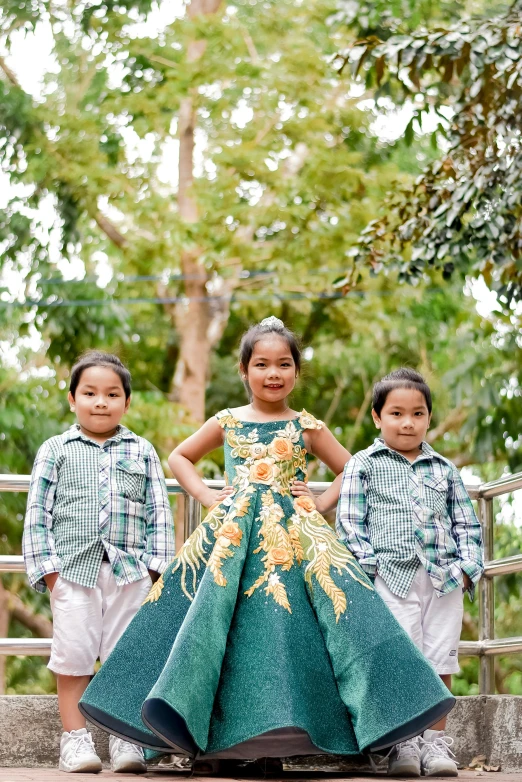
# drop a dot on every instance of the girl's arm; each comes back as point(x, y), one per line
point(184, 457)
point(323, 444)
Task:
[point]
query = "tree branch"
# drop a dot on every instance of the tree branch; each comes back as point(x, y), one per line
point(38, 625)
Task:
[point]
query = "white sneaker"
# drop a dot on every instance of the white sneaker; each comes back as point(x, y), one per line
point(405, 759)
point(126, 757)
point(77, 752)
point(436, 755)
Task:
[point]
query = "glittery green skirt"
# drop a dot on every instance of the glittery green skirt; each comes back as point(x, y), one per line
point(265, 638)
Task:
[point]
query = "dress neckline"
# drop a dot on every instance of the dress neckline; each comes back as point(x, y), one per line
point(274, 421)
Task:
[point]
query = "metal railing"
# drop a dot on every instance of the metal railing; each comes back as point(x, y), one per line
point(486, 648)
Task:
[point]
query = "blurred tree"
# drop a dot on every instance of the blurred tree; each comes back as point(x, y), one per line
point(463, 213)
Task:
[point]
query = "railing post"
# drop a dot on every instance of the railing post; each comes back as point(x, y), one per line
point(191, 516)
point(486, 600)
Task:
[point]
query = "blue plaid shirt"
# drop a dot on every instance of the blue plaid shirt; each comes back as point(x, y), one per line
point(395, 515)
point(87, 498)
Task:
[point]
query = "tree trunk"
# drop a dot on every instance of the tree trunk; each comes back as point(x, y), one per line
point(201, 320)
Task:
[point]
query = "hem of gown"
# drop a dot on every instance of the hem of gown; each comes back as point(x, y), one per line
point(433, 715)
point(135, 738)
point(172, 745)
point(320, 750)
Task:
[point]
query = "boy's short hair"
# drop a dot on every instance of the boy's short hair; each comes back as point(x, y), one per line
point(400, 378)
point(97, 358)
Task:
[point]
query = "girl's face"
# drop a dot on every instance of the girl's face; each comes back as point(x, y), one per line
point(271, 371)
point(99, 402)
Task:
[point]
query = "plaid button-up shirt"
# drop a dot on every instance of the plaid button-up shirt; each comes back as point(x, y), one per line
point(394, 515)
point(87, 498)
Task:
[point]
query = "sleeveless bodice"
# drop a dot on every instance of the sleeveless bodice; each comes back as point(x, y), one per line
point(271, 453)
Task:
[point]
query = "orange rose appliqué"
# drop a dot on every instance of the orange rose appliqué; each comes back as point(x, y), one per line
point(230, 530)
point(281, 449)
point(304, 505)
point(263, 471)
point(279, 556)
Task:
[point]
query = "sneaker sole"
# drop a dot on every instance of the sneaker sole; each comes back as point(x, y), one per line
point(129, 767)
point(445, 772)
point(405, 771)
point(88, 767)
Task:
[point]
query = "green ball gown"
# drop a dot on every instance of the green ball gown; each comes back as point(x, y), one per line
point(264, 637)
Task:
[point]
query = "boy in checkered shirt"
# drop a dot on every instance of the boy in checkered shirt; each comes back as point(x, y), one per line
point(98, 532)
point(406, 516)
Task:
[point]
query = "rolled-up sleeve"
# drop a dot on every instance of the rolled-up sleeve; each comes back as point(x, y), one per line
point(352, 510)
point(38, 546)
point(159, 543)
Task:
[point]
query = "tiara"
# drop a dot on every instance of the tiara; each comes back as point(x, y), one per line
point(272, 323)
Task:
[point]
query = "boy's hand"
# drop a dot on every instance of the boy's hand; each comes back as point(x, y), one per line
point(467, 581)
point(50, 580)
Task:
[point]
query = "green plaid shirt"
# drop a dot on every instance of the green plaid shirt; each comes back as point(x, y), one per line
point(395, 515)
point(85, 499)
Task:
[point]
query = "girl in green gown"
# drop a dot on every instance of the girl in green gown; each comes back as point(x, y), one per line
point(264, 638)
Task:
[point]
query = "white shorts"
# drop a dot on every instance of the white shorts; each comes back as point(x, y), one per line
point(87, 622)
point(433, 623)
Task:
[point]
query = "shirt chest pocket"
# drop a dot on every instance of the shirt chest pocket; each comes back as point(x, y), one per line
point(436, 493)
point(130, 479)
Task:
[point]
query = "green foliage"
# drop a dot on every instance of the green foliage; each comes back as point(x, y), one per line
point(463, 213)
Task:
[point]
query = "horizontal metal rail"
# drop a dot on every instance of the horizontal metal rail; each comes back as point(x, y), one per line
point(40, 647)
point(491, 647)
point(496, 646)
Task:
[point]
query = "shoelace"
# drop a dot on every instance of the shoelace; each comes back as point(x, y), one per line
point(82, 743)
point(408, 749)
point(439, 747)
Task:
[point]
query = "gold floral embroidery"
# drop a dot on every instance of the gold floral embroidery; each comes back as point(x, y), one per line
point(229, 535)
point(324, 551)
point(277, 589)
point(219, 521)
point(226, 419)
point(279, 552)
point(155, 591)
point(192, 553)
point(293, 534)
point(241, 443)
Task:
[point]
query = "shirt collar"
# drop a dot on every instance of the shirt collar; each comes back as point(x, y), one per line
point(122, 433)
point(427, 452)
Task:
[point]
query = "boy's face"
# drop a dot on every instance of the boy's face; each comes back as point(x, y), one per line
point(99, 402)
point(404, 420)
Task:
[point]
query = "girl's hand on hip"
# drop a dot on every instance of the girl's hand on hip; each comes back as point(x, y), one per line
point(300, 489)
point(215, 496)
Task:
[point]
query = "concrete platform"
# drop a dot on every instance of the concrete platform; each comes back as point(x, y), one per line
point(490, 725)
point(51, 775)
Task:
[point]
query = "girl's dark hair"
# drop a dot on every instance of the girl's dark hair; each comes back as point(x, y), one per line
point(96, 358)
point(400, 378)
point(269, 325)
